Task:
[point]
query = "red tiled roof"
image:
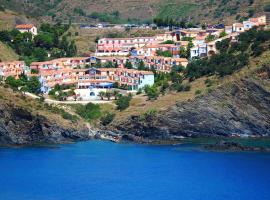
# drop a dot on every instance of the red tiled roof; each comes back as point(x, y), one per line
point(24, 26)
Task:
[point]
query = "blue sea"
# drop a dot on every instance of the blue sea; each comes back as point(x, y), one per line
point(98, 170)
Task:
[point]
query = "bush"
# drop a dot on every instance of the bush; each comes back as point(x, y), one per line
point(183, 87)
point(89, 112)
point(107, 119)
point(149, 114)
point(198, 92)
point(123, 102)
point(152, 93)
point(208, 82)
point(12, 82)
point(68, 116)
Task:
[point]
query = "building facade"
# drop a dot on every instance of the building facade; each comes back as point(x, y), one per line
point(27, 28)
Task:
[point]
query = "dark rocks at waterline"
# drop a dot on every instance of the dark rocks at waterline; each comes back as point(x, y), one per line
point(20, 127)
point(238, 108)
point(233, 146)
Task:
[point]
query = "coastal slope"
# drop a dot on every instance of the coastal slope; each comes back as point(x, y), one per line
point(25, 121)
point(237, 107)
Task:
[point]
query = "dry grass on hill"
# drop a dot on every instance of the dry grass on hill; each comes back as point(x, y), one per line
point(16, 99)
point(8, 19)
point(139, 104)
point(7, 54)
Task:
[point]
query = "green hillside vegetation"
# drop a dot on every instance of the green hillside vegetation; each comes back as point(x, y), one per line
point(50, 40)
point(233, 55)
point(118, 11)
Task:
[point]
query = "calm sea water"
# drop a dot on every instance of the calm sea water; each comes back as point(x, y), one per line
point(104, 170)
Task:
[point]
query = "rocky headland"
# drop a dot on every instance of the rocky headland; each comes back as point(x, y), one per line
point(240, 108)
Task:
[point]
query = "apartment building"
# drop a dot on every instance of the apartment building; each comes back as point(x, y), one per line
point(121, 46)
point(12, 68)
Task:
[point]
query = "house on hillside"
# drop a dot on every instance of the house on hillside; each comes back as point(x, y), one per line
point(260, 21)
point(238, 28)
point(151, 49)
point(27, 28)
point(199, 50)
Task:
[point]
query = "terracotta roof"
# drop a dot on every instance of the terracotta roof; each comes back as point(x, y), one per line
point(239, 25)
point(112, 58)
point(134, 38)
point(11, 62)
point(200, 37)
point(41, 63)
point(71, 58)
point(24, 26)
point(180, 59)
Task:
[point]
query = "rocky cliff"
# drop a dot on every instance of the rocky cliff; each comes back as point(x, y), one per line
point(240, 107)
point(21, 127)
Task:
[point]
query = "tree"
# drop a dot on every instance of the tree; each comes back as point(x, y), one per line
point(109, 64)
point(40, 54)
point(116, 94)
point(183, 52)
point(223, 34)
point(152, 93)
point(210, 38)
point(12, 82)
point(164, 53)
point(72, 49)
point(102, 95)
point(34, 85)
point(44, 40)
point(141, 65)
point(108, 95)
point(123, 102)
point(128, 65)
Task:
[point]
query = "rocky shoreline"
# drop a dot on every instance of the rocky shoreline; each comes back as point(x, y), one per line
point(233, 146)
point(237, 109)
point(20, 127)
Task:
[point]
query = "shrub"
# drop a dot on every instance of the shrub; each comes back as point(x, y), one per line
point(107, 119)
point(183, 87)
point(68, 116)
point(152, 93)
point(123, 102)
point(198, 92)
point(208, 82)
point(89, 112)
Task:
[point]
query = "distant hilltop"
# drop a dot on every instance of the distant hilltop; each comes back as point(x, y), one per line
point(139, 11)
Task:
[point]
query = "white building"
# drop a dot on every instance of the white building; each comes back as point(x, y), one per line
point(198, 51)
point(88, 94)
point(27, 28)
point(238, 27)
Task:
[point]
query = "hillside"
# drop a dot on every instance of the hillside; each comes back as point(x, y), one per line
point(26, 121)
point(7, 54)
point(8, 19)
point(237, 104)
point(136, 10)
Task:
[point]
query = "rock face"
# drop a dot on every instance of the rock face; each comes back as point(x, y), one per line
point(241, 107)
point(233, 146)
point(20, 127)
